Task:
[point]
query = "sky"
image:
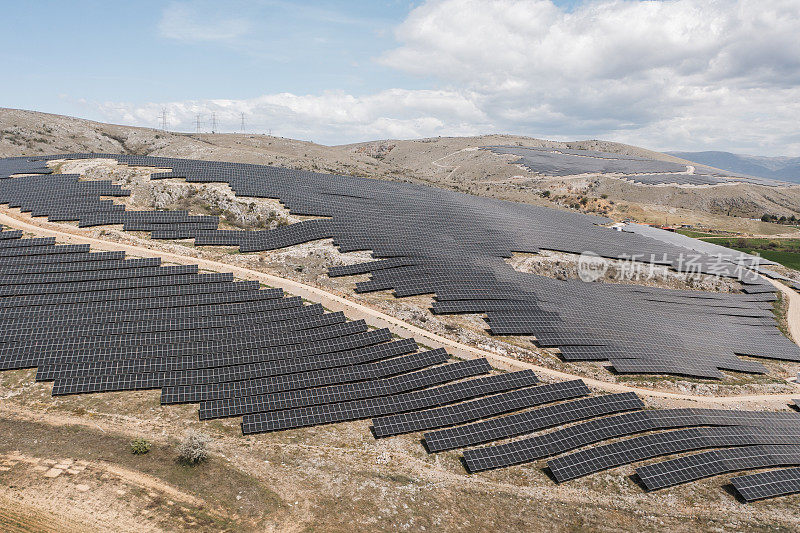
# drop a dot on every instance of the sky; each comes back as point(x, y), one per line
point(668, 75)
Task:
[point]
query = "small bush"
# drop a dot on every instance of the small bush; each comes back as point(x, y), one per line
point(140, 446)
point(194, 448)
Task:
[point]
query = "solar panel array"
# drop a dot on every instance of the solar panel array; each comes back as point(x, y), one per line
point(570, 162)
point(694, 467)
point(477, 409)
point(462, 262)
point(748, 439)
point(600, 429)
point(675, 179)
point(768, 484)
point(96, 322)
point(627, 451)
point(530, 421)
point(564, 162)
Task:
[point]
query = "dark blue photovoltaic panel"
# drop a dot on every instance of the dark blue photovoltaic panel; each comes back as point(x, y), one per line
point(462, 262)
point(97, 322)
point(768, 484)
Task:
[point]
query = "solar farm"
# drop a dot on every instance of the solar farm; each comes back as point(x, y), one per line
point(97, 322)
point(639, 170)
point(462, 263)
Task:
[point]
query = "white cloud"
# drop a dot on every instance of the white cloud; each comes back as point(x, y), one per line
point(678, 74)
point(332, 117)
point(494, 43)
point(184, 21)
point(721, 73)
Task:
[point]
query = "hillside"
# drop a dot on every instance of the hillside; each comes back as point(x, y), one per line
point(452, 163)
point(781, 168)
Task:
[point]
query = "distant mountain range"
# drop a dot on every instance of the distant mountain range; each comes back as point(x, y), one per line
point(778, 168)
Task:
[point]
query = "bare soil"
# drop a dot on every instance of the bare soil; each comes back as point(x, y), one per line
point(327, 478)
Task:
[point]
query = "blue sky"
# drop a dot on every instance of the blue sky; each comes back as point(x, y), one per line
point(679, 74)
point(101, 50)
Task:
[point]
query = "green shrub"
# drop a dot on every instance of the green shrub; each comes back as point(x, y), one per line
point(140, 446)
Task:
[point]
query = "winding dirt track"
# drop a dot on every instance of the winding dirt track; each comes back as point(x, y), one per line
point(793, 314)
point(355, 311)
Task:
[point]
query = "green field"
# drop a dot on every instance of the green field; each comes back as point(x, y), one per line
point(783, 251)
point(695, 234)
point(787, 259)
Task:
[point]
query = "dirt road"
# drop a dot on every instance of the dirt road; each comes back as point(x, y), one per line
point(793, 314)
point(355, 311)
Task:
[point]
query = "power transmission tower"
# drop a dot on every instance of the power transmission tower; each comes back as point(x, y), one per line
point(164, 123)
point(213, 122)
point(242, 122)
point(197, 123)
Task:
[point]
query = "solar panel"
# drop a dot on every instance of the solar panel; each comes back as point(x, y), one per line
point(311, 395)
point(572, 437)
point(706, 464)
point(530, 421)
point(768, 484)
point(326, 414)
point(96, 322)
point(345, 364)
point(628, 451)
point(477, 409)
point(462, 263)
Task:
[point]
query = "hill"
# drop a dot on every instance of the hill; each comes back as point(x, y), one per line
point(454, 163)
point(780, 168)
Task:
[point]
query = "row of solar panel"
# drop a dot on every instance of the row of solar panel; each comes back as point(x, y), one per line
point(352, 227)
point(305, 405)
point(335, 364)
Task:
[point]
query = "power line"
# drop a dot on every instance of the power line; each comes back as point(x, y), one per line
point(164, 123)
point(213, 122)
